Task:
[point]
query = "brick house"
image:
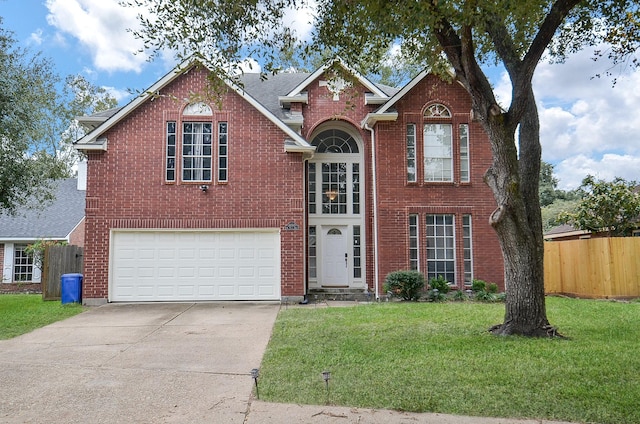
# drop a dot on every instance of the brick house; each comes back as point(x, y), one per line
point(60, 220)
point(284, 187)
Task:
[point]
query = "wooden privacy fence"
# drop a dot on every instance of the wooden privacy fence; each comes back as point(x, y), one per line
point(593, 268)
point(59, 260)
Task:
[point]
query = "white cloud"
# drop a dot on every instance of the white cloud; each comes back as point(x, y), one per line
point(36, 37)
point(101, 27)
point(571, 171)
point(300, 20)
point(586, 125)
point(118, 94)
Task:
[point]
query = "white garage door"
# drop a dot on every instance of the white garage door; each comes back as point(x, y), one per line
point(189, 265)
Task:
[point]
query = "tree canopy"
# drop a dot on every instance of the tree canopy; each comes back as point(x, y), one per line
point(612, 207)
point(458, 35)
point(36, 123)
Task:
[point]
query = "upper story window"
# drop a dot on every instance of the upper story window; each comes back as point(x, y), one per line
point(335, 141)
point(444, 148)
point(334, 176)
point(438, 144)
point(190, 146)
point(196, 151)
point(463, 131)
point(411, 153)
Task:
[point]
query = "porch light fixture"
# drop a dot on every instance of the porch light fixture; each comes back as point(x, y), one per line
point(255, 373)
point(331, 194)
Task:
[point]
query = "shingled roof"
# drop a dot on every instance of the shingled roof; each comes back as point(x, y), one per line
point(55, 221)
point(265, 91)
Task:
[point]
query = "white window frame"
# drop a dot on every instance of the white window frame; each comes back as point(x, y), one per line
point(412, 174)
point(465, 162)
point(200, 154)
point(20, 255)
point(414, 242)
point(171, 159)
point(223, 151)
point(467, 238)
point(441, 247)
point(438, 152)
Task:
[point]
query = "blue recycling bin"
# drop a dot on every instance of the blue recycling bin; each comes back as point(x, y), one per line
point(71, 288)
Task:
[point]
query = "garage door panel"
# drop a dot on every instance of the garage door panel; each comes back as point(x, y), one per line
point(189, 265)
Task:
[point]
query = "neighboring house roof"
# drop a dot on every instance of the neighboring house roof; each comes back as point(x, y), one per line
point(564, 230)
point(55, 221)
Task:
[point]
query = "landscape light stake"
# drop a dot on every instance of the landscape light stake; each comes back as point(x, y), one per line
point(255, 373)
point(326, 376)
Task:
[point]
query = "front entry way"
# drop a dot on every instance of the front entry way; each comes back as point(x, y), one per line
point(335, 257)
point(335, 204)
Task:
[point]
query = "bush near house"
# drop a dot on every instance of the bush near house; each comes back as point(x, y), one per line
point(438, 289)
point(407, 285)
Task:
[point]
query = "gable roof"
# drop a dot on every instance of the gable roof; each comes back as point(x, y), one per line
point(386, 112)
point(94, 141)
point(373, 88)
point(55, 221)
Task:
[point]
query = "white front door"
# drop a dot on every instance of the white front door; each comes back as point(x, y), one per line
point(335, 257)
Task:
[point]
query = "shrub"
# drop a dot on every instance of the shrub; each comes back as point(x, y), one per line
point(460, 296)
point(478, 285)
point(485, 296)
point(485, 292)
point(439, 287)
point(408, 285)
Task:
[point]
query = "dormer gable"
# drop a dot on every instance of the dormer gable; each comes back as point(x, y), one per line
point(335, 85)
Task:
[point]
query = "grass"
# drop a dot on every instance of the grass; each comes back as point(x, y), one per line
point(22, 313)
point(430, 357)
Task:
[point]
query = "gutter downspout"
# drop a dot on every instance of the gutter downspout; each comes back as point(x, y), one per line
point(375, 209)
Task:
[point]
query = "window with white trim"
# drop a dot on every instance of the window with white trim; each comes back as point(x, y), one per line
point(467, 249)
point(414, 252)
point(196, 146)
point(441, 258)
point(463, 131)
point(438, 144)
point(411, 153)
point(442, 242)
point(223, 152)
point(22, 264)
point(312, 247)
point(196, 151)
point(170, 174)
point(438, 154)
point(357, 252)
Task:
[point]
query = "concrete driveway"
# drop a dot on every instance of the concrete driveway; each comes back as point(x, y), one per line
point(142, 363)
point(163, 363)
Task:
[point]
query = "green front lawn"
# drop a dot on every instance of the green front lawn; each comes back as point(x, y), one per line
point(438, 357)
point(22, 313)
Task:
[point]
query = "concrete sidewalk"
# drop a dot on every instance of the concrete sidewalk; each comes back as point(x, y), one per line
point(161, 363)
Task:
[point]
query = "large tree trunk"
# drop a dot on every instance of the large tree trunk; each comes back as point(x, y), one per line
point(514, 179)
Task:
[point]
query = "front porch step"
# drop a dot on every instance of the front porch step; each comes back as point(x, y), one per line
point(339, 294)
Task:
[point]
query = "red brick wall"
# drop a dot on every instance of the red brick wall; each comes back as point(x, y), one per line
point(126, 185)
point(349, 108)
point(397, 198)
point(76, 237)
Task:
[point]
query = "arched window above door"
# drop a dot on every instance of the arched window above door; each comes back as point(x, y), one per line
point(335, 141)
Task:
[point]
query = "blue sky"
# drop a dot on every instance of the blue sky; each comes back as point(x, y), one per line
point(587, 127)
